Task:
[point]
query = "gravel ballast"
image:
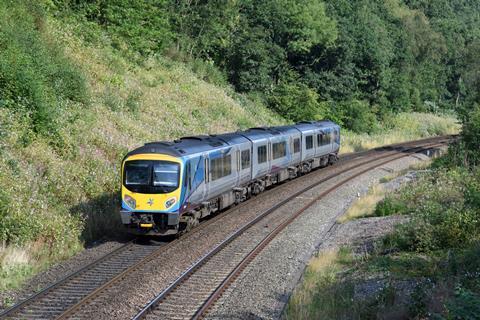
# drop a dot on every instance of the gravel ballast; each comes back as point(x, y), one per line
point(59, 271)
point(263, 289)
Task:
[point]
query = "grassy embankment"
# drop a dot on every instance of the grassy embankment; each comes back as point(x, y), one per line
point(59, 166)
point(72, 104)
point(427, 268)
point(401, 127)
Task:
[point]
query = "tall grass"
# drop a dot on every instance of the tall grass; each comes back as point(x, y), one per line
point(402, 127)
point(61, 190)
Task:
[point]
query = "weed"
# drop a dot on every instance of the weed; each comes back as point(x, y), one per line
point(365, 205)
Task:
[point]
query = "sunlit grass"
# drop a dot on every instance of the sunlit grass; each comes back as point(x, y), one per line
point(365, 205)
point(403, 127)
point(316, 297)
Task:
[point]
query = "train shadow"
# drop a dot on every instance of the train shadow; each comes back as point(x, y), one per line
point(101, 219)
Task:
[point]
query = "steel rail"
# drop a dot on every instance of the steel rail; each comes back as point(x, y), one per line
point(186, 274)
point(10, 311)
point(44, 292)
point(249, 258)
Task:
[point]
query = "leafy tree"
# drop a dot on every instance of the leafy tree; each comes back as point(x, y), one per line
point(143, 24)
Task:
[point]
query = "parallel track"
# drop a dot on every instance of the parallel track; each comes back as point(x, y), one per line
point(63, 298)
point(197, 289)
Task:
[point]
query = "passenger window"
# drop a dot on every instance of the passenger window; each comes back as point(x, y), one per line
point(221, 167)
point(279, 150)
point(319, 140)
point(309, 142)
point(296, 145)
point(262, 154)
point(245, 159)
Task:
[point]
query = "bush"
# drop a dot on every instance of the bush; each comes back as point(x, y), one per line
point(297, 102)
point(143, 25)
point(445, 212)
point(35, 76)
point(390, 206)
point(357, 116)
point(464, 305)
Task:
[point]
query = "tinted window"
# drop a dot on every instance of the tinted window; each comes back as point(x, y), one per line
point(279, 150)
point(309, 142)
point(262, 154)
point(326, 138)
point(137, 173)
point(221, 167)
point(319, 140)
point(151, 176)
point(165, 174)
point(296, 145)
point(245, 159)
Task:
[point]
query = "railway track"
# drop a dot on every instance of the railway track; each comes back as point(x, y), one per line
point(64, 298)
point(197, 289)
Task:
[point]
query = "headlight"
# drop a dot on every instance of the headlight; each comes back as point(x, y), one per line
point(170, 202)
point(130, 201)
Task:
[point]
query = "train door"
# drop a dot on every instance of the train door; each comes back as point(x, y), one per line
point(195, 182)
point(260, 165)
point(245, 163)
point(206, 163)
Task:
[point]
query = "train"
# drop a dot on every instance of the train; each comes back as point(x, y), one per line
point(168, 187)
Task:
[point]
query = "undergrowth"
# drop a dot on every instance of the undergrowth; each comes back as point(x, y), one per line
point(428, 267)
point(71, 106)
point(400, 128)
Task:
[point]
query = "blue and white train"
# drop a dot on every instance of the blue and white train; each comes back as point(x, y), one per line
point(167, 187)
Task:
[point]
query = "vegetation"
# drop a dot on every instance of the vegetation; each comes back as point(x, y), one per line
point(60, 174)
point(82, 82)
point(435, 254)
point(353, 61)
point(399, 128)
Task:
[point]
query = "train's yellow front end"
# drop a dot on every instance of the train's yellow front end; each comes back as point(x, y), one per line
point(151, 193)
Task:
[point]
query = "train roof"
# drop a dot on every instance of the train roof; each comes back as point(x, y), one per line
point(197, 144)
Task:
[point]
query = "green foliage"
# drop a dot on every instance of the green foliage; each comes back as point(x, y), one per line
point(389, 206)
point(464, 305)
point(357, 116)
point(364, 59)
point(35, 76)
point(143, 25)
point(443, 214)
point(466, 151)
point(296, 102)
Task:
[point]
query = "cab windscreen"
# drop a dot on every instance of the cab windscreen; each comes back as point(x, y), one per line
point(151, 176)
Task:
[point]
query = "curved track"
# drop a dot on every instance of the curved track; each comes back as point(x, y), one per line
point(65, 297)
point(196, 290)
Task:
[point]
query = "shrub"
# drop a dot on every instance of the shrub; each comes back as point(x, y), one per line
point(143, 24)
point(357, 116)
point(35, 76)
point(390, 206)
point(297, 102)
point(464, 305)
point(445, 212)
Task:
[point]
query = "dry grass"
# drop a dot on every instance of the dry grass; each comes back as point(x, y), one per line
point(67, 194)
point(403, 127)
point(314, 295)
point(364, 206)
point(319, 267)
point(16, 263)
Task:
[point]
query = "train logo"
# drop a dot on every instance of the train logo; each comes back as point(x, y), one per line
point(150, 202)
